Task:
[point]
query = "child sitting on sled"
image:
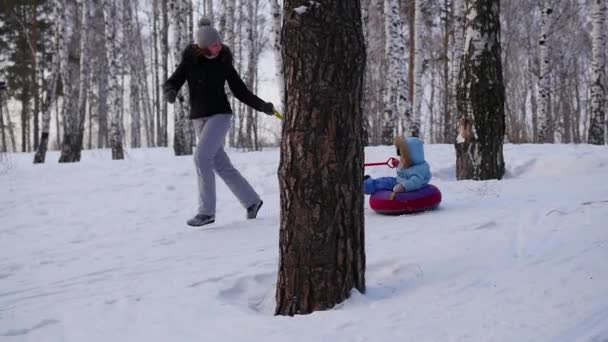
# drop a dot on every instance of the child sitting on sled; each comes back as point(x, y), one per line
point(413, 171)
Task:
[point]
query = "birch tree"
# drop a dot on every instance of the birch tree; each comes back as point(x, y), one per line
point(598, 74)
point(419, 63)
point(397, 106)
point(458, 51)
point(73, 67)
point(545, 132)
point(276, 30)
point(481, 95)
point(51, 94)
point(180, 12)
point(112, 13)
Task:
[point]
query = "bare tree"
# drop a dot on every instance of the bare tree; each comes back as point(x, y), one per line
point(322, 255)
point(481, 96)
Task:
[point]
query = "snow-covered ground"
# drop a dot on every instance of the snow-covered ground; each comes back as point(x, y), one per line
point(99, 251)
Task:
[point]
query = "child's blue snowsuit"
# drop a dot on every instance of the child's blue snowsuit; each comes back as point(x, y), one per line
point(413, 178)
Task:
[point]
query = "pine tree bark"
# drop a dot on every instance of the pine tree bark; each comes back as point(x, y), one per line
point(481, 95)
point(322, 256)
point(597, 125)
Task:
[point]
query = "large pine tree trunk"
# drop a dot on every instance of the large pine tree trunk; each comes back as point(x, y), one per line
point(180, 12)
point(322, 256)
point(481, 96)
point(598, 74)
point(545, 131)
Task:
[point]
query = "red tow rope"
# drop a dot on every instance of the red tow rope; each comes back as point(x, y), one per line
point(391, 162)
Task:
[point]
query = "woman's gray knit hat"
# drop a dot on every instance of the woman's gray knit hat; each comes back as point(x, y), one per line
point(206, 35)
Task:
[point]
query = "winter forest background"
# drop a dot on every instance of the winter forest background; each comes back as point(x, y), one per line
point(87, 74)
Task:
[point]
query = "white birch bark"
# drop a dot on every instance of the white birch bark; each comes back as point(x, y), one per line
point(112, 13)
point(418, 67)
point(180, 12)
point(597, 125)
point(397, 106)
point(458, 43)
point(545, 132)
point(278, 57)
point(74, 79)
point(40, 156)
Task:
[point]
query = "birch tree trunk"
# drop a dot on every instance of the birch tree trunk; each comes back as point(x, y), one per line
point(131, 56)
point(545, 132)
point(397, 106)
point(322, 248)
point(112, 13)
point(74, 68)
point(597, 125)
point(419, 63)
point(157, 100)
point(276, 30)
point(458, 42)
point(8, 124)
point(162, 131)
point(250, 79)
point(58, 8)
point(481, 95)
point(4, 147)
point(180, 12)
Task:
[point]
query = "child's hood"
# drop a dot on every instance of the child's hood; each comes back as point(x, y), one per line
point(416, 150)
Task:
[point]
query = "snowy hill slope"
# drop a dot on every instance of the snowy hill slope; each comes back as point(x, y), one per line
point(99, 251)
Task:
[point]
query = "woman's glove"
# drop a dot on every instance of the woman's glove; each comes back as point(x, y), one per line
point(169, 94)
point(268, 108)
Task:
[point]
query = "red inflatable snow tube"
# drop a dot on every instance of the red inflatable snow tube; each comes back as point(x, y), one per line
point(426, 198)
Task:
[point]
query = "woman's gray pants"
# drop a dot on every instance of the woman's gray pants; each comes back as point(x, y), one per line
point(210, 156)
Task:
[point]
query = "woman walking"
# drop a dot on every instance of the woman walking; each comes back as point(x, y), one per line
point(207, 66)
